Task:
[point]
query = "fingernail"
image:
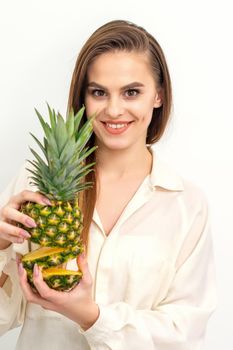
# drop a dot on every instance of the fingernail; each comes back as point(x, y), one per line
point(46, 201)
point(24, 234)
point(36, 270)
point(30, 222)
point(21, 269)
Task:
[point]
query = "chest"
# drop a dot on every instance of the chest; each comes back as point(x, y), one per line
point(113, 199)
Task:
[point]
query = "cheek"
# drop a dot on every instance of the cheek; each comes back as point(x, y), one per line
point(89, 103)
point(146, 121)
point(143, 110)
point(146, 116)
point(97, 129)
point(91, 107)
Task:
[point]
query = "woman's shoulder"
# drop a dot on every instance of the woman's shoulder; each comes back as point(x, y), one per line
point(191, 196)
point(169, 178)
point(194, 193)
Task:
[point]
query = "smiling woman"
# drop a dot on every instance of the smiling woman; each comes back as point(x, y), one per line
point(148, 273)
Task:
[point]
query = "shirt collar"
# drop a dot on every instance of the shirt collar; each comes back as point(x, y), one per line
point(163, 175)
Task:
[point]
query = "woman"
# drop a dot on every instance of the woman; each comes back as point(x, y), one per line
point(148, 276)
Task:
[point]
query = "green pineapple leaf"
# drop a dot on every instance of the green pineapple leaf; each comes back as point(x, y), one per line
point(77, 118)
point(52, 117)
point(70, 123)
point(40, 145)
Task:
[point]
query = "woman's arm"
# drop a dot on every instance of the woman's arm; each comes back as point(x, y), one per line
point(3, 277)
point(12, 302)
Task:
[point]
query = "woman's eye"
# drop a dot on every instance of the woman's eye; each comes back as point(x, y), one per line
point(133, 92)
point(129, 93)
point(97, 92)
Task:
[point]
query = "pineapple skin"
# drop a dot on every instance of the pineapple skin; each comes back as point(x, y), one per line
point(58, 225)
point(60, 281)
point(55, 257)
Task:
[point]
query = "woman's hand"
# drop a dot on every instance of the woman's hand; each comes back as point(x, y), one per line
point(10, 215)
point(76, 304)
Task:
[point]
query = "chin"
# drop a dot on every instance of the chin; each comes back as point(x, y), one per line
point(116, 146)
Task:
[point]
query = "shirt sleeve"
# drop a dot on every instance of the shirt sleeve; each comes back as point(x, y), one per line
point(12, 301)
point(179, 321)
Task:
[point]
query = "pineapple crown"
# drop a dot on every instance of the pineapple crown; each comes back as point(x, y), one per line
point(61, 175)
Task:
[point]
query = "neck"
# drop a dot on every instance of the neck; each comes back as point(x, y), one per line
point(120, 164)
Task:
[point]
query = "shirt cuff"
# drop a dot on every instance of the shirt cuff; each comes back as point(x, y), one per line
point(99, 333)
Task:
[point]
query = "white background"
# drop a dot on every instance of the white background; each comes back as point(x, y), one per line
point(40, 41)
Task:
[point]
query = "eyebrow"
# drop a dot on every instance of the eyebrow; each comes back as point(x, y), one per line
point(131, 85)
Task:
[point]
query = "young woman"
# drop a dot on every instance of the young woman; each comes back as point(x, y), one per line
point(148, 275)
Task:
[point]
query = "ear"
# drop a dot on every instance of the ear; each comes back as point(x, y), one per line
point(158, 99)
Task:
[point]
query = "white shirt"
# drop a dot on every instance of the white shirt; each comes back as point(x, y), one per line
point(153, 275)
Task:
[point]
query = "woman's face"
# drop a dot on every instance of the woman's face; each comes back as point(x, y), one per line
point(122, 92)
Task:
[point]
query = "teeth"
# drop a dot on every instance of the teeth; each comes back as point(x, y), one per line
point(116, 126)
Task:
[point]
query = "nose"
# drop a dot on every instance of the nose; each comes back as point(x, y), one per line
point(114, 107)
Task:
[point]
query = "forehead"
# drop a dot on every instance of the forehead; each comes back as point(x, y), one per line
point(120, 66)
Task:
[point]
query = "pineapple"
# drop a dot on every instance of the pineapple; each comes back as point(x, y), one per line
point(60, 279)
point(60, 177)
point(47, 257)
point(58, 225)
point(51, 260)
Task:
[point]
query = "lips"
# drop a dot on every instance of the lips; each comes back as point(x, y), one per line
point(114, 122)
point(123, 126)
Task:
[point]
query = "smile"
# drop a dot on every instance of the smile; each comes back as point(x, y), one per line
point(116, 128)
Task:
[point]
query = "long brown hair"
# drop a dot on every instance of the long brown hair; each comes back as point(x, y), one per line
point(114, 36)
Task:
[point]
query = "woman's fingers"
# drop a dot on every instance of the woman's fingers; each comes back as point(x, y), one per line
point(31, 296)
point(83, 266)
point(13, 230)
point(43, 289)
point(30, 196)
point(12, 233)
point(11, 214)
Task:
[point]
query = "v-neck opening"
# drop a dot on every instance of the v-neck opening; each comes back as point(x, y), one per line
point(126, 208)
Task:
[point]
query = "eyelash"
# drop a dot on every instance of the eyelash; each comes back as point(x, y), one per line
point(136, 90)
